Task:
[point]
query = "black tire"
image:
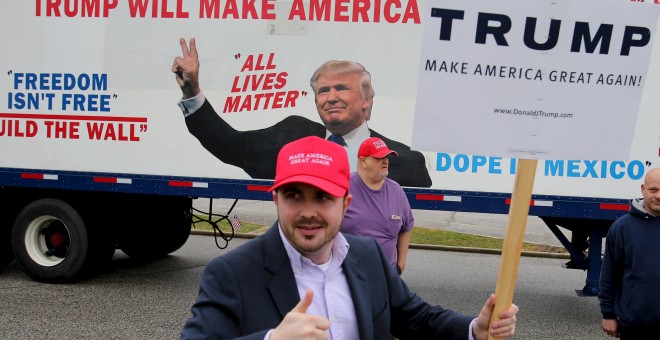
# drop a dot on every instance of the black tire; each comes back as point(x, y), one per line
point(156, 237)
point(50, 241)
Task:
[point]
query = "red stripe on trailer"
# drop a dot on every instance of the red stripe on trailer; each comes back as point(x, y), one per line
point(429, 197)
point(105, 180)
point(188, 184)
point(258, 188)
point(508, 202)
point(113, 180)
point(180, 184)
point(613, 206)
point(32, 176)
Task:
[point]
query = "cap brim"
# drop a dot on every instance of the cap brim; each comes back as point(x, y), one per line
point(325, 185)
point(384, 153)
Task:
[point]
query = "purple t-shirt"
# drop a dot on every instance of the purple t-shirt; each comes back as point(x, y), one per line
point(381, 214)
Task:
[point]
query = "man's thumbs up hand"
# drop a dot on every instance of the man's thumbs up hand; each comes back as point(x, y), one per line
point(297, 324)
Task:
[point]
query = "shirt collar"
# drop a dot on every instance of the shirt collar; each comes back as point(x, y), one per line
point(353, 140)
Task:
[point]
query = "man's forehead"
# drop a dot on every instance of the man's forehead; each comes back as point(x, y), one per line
point(331, 78)
point(299, 187)
point(652, 185)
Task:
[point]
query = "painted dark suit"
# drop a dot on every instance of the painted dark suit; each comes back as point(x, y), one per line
point(256, 151)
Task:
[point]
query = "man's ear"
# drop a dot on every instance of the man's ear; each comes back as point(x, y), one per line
point(368, 102)
point(347, 202)
point(275, 196)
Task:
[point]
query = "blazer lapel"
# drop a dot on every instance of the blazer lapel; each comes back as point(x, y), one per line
point(282, 283)
point(361, 293)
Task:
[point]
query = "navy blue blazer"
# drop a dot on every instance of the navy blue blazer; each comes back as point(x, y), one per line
point(256, 151)
point(249, 290)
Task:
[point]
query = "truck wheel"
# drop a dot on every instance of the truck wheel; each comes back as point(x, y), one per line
point(50, 241)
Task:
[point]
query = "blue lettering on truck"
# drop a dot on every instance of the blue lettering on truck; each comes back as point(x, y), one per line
point(633, 170)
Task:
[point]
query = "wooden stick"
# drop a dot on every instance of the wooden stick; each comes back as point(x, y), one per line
point(513, 239)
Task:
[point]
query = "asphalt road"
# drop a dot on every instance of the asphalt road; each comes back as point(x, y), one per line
point(133, 300)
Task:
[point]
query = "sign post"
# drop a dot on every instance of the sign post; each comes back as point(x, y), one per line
point(515, 232)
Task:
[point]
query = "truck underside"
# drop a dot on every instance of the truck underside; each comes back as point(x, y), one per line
point(66, 235)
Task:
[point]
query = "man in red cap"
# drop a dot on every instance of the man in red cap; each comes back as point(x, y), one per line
point(380, 208)
point(303, 279)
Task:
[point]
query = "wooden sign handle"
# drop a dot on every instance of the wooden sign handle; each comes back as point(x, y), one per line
point(513, 239)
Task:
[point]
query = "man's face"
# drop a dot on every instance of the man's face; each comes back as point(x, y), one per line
point(340, 101)
point(376, 169)
point(651, 192)
point(310, 218)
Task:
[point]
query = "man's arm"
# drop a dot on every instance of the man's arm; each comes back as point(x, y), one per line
point(611, 275)
point(214, 133)
point(254, 151)
point(403, 241)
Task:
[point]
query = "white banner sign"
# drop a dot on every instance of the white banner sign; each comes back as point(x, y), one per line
point(532, 79)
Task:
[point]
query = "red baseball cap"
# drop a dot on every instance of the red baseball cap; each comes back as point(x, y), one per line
point(314, 161)
point(374, 147)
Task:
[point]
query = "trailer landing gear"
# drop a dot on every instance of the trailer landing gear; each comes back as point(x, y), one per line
point(585, 247)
